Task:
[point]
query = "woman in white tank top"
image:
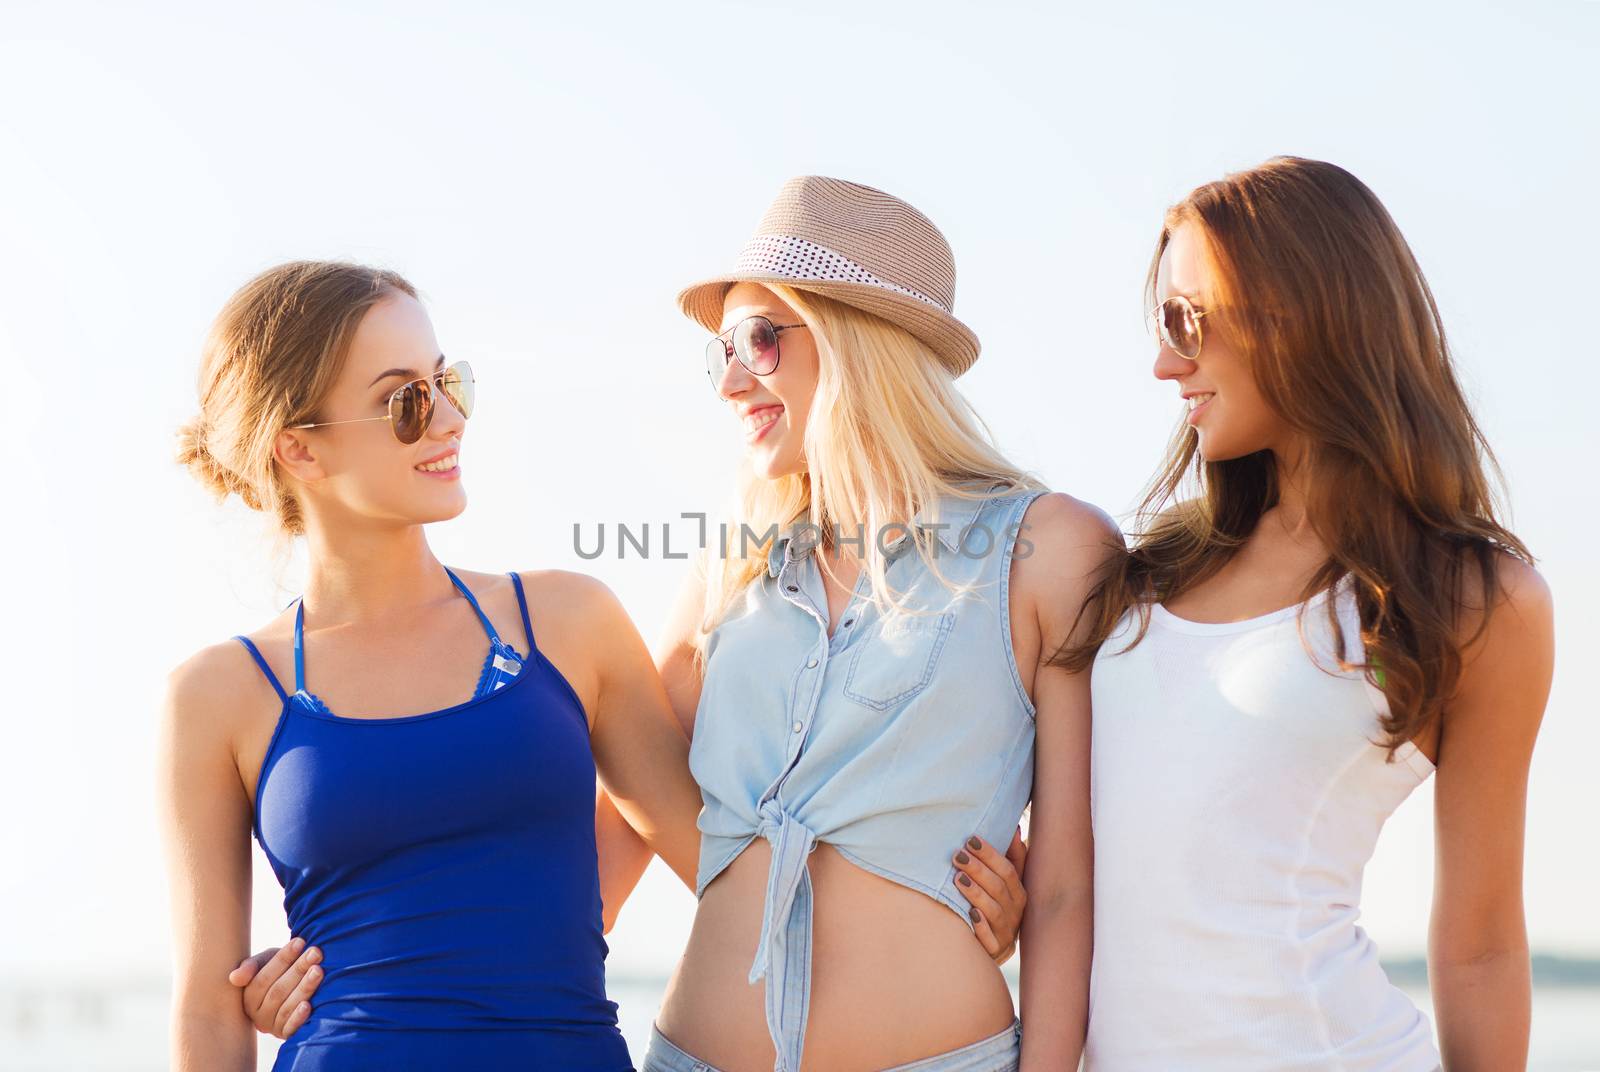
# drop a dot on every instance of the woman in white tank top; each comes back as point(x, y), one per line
point(1320, 612)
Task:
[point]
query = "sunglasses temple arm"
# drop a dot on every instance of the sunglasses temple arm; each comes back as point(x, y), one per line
point(352, 420)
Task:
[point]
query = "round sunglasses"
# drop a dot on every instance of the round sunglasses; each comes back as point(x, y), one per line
point(753, 340)
point(1178, 325)
point(411, 405)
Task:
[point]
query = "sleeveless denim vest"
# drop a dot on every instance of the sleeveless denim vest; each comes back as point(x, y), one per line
point(893, 740)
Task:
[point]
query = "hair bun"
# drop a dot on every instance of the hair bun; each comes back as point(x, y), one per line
point(194, 452)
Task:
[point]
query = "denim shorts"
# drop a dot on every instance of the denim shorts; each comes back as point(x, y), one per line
point(1001, 1052)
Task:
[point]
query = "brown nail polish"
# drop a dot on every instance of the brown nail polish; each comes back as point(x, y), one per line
point(962, 858)
point(963, 879)
point(974, 844)
point(973, 912)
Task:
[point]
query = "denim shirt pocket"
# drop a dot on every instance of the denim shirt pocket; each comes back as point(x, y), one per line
point(898, 660)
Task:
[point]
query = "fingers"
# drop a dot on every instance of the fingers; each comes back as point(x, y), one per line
point(985, 933)
point(1017, 853)
point(992, 913)
point(279, 1004)
point(296, 1008)
point(270, 972)
point(301, 1014)
point(991, 883)
point(249, 966)
point(268, 993)
point(992, 859)
point(985, 868)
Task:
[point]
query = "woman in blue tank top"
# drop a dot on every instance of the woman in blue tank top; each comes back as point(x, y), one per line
point(419, 772)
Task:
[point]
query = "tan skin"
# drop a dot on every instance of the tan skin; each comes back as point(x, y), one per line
point(374, 585)
point(1478, 967)
point(896, 976)
point(277, 985)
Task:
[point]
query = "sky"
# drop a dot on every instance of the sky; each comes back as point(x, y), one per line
point(550, 177)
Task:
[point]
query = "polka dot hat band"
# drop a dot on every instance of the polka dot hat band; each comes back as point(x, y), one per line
point(860, 246)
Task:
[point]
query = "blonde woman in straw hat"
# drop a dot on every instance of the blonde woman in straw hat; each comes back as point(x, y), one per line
point(861, 679)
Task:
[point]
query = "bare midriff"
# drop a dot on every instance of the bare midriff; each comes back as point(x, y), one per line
point(896, 976)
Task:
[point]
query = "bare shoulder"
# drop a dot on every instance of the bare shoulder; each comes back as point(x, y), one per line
point(572, 600)
point(1526, 594)
point(1063, 540)
point(1519, 602)
point(1508, 658)
point(203, 693)
point(1519, 611)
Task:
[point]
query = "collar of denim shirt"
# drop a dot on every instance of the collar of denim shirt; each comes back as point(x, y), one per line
point(957, 515)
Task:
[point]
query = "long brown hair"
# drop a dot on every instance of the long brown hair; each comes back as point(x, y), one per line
point(273, 353)
point(1317, 290)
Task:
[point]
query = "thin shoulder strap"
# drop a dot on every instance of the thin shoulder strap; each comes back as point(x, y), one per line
point(488, 626)
point(265, 669)
point(300, 645)
point(522, 601)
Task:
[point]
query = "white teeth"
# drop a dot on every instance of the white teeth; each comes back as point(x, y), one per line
point(443, 465)
point(758, 421)
point(1196, 401)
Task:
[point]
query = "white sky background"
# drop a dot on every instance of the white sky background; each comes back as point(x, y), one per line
point(550, 181)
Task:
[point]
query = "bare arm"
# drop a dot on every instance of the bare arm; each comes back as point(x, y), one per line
point(205, 820)
point(1478, 964)
point(623, 853)
point(623, 856)
point(640, 750)
point(1070, 542)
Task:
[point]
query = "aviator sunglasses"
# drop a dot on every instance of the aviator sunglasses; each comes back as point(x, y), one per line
point(754, 341)
point(411, 404)
point(1178, 325)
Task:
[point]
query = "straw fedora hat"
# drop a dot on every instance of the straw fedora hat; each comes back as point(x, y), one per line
point(859, 245)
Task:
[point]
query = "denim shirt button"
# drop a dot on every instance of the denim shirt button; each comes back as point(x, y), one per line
point(811, 664)
point(797, 727)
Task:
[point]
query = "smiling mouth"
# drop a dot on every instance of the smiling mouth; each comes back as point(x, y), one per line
point(761, 420)
point(443, 465)
point(1196, 401)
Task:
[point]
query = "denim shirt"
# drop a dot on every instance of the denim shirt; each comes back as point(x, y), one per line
point(893, 740)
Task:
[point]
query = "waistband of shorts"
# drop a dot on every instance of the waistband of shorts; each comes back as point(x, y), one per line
point(1000, 1052)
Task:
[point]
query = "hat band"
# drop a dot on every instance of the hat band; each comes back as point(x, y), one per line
point(797, 258)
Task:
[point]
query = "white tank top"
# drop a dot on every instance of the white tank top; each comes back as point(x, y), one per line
point(1237, 793)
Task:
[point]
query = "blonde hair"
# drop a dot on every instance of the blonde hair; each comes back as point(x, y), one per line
point(887, 431)
point(272, 355)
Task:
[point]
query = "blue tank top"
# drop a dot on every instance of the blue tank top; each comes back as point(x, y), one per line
point(445, 865)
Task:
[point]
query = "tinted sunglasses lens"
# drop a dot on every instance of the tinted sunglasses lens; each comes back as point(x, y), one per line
point(411, 408)
point(756, 343)
point(1180, 329)
point(456, 383)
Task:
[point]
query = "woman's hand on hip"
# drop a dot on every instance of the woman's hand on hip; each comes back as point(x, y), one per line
point(276, 986)
point(992, 883)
